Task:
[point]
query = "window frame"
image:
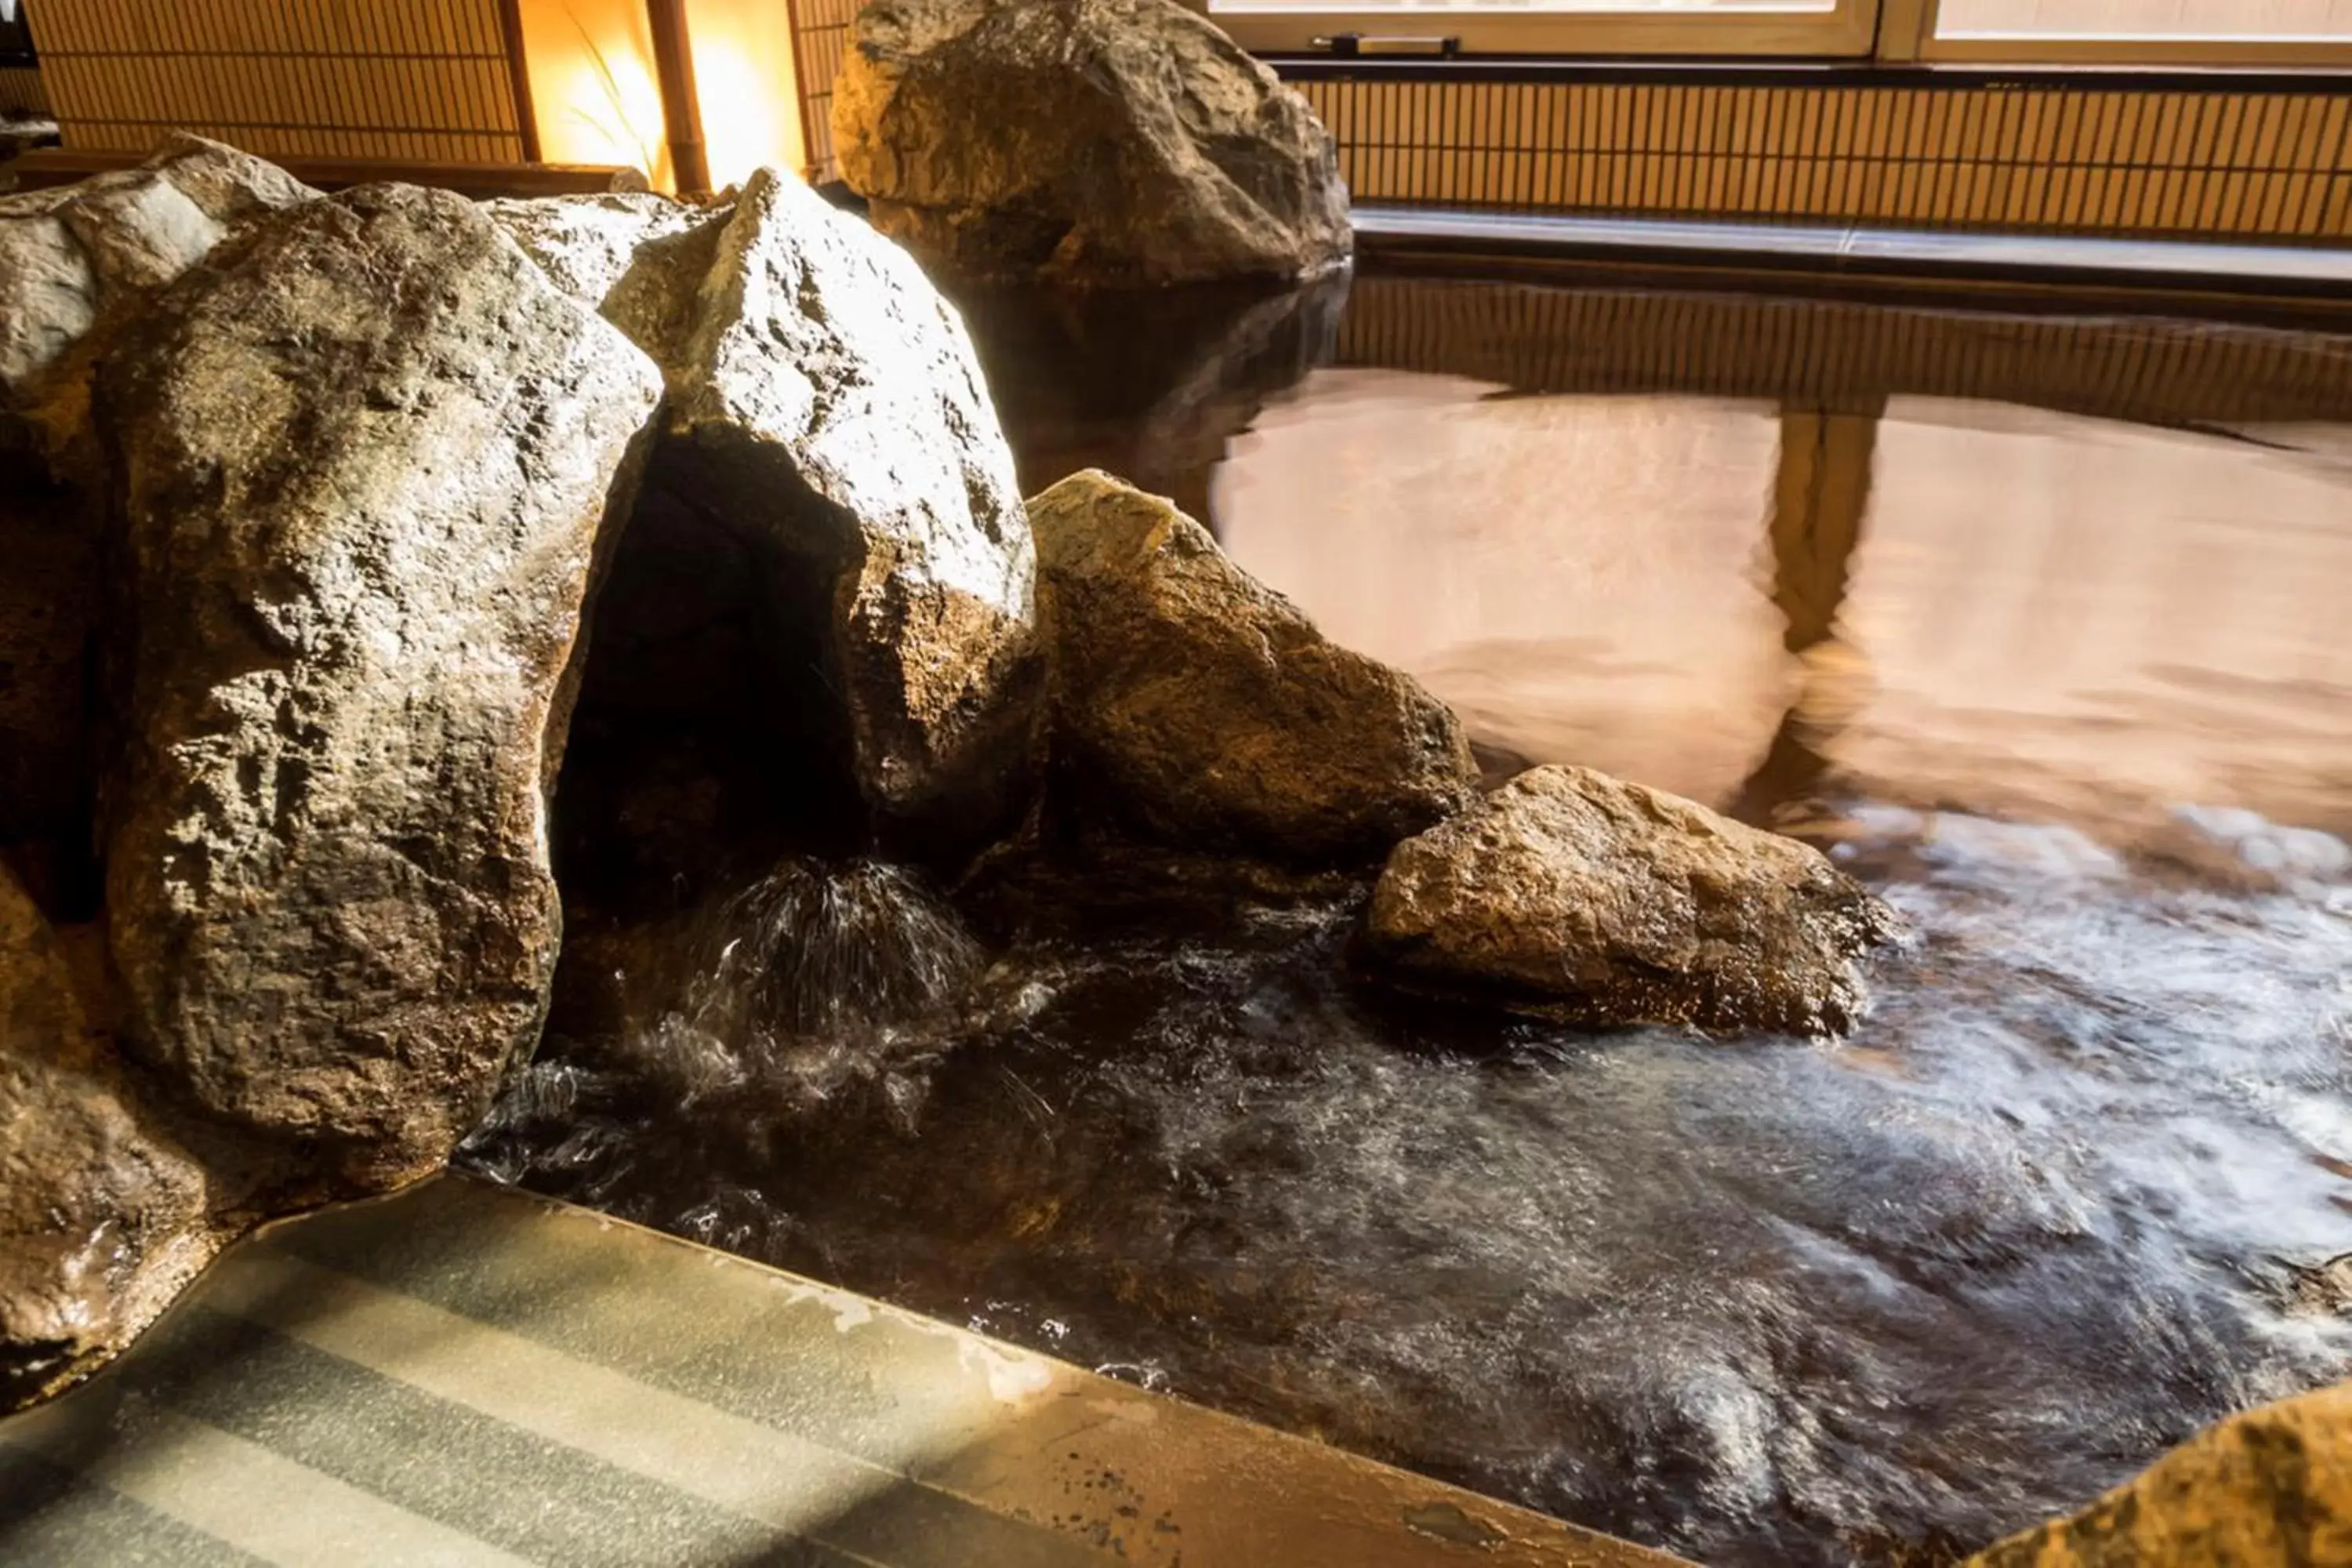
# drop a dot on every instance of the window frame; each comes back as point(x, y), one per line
point(1894, 32)
point(1848, 29)
point(1908, 34)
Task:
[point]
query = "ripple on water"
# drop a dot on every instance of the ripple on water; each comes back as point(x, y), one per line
point(1759, 1300)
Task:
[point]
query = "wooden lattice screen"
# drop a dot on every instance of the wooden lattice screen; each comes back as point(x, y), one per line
point(426, 80)
point(2084, 152)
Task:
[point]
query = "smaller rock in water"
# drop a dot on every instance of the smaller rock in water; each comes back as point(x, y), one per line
point(1197, 707)
point(2269, 1489)
point(1100, 141)
point(103, 1216)
point(1575, 896)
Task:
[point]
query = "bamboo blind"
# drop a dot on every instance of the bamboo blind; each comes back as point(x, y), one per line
point(2088, 156)
point(820, 36)
point(1830, 354)
point(400, 79)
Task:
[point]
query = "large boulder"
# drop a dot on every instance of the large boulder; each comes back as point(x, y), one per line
point(71, 255)
point(1102, 141)
point(826, 409)
point(1199, 709)
point(361, 468)
point(103, 1216)
point(1572, 895)
point(2268, 1489)
point(75, 262)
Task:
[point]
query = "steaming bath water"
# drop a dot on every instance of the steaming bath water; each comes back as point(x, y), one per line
point(2070, 693)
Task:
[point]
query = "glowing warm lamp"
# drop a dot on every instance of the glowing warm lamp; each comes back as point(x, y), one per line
point(743, 76)
point(592, 85)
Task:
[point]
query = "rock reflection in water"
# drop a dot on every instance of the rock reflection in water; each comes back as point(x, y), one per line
point(2069, 694)
point(1148, 385)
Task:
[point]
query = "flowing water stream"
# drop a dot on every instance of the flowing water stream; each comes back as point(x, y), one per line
point(2037, 626)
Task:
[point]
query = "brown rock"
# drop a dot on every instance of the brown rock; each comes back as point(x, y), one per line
point(361, 468)
point(74, 254)
point(827, 409)
point(75, 262)
point(1572, 895)
point(1113, 140)
point(2268, 1489)
point(103, 1217)
point(1194, 706)
point(635, 258)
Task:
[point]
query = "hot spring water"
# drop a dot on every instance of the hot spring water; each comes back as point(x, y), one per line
point(2077, 706)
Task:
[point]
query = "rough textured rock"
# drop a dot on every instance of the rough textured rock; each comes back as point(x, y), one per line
point(2268, 1489)
point(74, 259)
point(73, 253)
point(361, 468)
point(1574, 895)
point(825, 405)
point(1200, 709)
point(103, 1216)
point(1123, 141)
point(635, 258)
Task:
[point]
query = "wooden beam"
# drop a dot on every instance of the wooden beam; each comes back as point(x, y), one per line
point(681, 109)
point(1905, 27)
point(59, 166)
point(518, 78)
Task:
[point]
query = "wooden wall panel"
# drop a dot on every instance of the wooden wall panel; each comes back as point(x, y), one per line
point(405, 80)
point(2094, 158)
point(20, 91)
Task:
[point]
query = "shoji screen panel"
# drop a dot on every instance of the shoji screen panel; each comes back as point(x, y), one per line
point(820, 36)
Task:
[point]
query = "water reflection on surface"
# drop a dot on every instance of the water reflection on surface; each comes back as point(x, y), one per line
point(2029, 611)
point(2078, 617)
point(1576, 576)
point(2069, 690)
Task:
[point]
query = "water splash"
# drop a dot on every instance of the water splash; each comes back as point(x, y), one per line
point(818, 982)
point(811, 977)
point(2062, 1200)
